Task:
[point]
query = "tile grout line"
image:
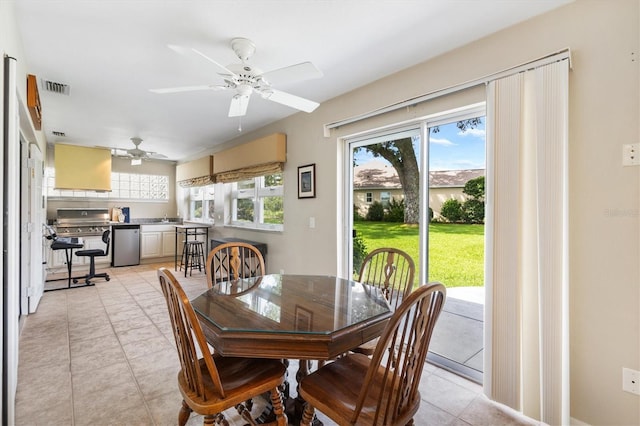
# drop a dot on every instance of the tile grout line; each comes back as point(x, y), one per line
point(73, 400)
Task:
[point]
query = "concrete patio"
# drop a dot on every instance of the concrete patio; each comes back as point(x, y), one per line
point(457, 342)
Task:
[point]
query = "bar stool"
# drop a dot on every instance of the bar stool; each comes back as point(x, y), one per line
point(193, 256)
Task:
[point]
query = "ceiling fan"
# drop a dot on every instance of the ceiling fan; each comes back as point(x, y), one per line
point(246, 79)
point(136, 154)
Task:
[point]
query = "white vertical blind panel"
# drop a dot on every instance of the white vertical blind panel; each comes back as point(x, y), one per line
point(527, 254)
point(551, 127)
point(505, 118)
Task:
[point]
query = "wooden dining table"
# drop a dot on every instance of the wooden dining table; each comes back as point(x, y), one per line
point(284, 316)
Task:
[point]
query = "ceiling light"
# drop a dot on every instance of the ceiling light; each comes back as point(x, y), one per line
point(136, 161)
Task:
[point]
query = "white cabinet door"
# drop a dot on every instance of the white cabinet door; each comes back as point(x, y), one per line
point(169, 243)
point(150, 244)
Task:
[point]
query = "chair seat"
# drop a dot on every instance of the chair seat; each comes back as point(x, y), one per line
point(367, 348)
point(91, 252)
point(241, 379)
point(334, 390)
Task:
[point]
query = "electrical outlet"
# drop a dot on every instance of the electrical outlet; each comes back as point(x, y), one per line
point(631, 381)
point(631, 154)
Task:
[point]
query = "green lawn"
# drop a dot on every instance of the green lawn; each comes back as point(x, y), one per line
point(456, 252)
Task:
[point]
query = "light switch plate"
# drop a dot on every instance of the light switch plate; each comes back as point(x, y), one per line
point(631, 381)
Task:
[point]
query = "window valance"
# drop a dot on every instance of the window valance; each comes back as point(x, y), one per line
point(260, 157)
point(195, 173)
point(249, 172)
point(199, 181)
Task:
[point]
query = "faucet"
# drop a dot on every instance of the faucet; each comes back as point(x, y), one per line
point(165, 218)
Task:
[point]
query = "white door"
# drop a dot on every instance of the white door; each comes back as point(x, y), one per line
point(37, 218)
point(31, 222)
point(25, 228)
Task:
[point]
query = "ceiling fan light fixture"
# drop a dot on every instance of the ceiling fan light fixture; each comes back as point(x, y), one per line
point(136, 161)
point(245, 79)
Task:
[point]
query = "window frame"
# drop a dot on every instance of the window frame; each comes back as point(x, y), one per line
point(206, 198)
point(257, 193)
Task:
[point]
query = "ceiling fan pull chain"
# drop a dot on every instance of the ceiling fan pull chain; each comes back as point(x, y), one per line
point(240, 123)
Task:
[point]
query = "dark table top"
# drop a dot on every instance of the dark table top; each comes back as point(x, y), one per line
point(291, 316)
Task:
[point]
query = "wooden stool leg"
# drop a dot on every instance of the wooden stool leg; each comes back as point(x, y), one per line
point(200, 257)
point(183, 258)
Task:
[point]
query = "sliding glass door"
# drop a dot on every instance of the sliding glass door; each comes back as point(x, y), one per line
point(384, 185)
point(421, 189)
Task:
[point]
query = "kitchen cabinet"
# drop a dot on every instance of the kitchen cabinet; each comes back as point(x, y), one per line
point(157, 240)
point(150, 244)
point(168, 243)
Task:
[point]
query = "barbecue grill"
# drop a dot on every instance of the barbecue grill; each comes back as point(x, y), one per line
point(79, 222)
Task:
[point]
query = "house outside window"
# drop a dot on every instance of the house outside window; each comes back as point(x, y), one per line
point(385, 197)
point(369, 197)
point(201, 203)
point(258, 202)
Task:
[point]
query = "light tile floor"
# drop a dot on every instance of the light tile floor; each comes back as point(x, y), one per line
point(104, 355)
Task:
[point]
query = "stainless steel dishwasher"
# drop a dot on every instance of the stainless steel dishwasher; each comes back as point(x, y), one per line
point(126, 245)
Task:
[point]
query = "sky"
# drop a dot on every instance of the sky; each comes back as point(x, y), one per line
point(450, 149)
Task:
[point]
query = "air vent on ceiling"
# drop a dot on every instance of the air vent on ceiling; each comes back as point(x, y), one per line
point(55, 133)
point(52, 86)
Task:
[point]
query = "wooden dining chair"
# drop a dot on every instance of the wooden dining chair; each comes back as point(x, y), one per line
point(392, 271)
point(212, 384)
point(382, 390)
point(232, 261)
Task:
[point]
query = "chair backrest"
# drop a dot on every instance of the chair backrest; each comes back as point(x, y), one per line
point(400, 354)
point(391, 270)
point(189, 336)
point(232, 261)
point(106, 240)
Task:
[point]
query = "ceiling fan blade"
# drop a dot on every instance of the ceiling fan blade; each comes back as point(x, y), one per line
point(155, 156)
point(225, 71)
point(238, 107)
point(298, 72)
point(290, 100)
point(186, 51)
point(188, 88)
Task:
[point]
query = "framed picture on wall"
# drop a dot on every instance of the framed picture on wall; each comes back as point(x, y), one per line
point(307, 181)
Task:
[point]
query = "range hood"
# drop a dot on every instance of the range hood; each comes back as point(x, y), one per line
point(82, 168)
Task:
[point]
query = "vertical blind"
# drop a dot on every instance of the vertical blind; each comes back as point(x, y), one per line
point(527, 250)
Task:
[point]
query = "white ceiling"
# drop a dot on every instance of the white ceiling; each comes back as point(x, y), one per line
point(112, 52)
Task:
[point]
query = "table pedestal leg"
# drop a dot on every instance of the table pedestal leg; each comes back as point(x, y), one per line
point(295, 406)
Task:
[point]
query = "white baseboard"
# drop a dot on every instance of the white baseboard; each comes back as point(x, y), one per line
point(576, 422)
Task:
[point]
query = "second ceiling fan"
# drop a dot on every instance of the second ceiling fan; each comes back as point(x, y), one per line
point(246, 79)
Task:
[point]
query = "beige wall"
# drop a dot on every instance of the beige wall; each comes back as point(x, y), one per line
point(603, 199)
point(437, 196)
